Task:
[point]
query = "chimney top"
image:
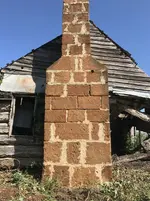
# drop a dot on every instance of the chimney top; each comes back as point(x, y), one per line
point(76, 28)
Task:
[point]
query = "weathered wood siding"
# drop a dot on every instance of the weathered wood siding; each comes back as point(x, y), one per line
point(18, 151)
point(4, 116)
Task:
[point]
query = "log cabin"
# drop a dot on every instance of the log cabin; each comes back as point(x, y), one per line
point(22, 94)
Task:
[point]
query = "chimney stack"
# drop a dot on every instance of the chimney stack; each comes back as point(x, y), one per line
point(76, 28)
point(77, 131)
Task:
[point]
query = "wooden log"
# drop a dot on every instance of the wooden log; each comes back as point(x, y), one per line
point(103, 47)
point(105, 50)
point(129, 80)
point(110, 56)
point(27, 68)
point(116, 63)
point(33, 62)
point(130, 77)
point(4, 116)
point(8, 163)
point(21, 151)
point(20, 140)
point(103, 43)
point(4, 128)
point(128, 86)
point(4, 106)
point(121, 71)
point(20, 72)
point(130, 158)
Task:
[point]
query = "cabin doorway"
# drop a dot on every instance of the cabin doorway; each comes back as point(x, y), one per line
point(23, 119)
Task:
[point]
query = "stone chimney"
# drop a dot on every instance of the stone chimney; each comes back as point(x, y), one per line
point(77, 132)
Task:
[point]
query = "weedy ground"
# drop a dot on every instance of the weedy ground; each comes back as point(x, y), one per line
point(130, 183)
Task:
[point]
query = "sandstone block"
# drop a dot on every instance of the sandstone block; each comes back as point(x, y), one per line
point(46, 171)
point(47, 131)
point(52, 151)
point(64, 63)
point(55, 116)
point(105, 102)
point(84, 39)
point(97, 115)
point(106, 131)
point(95, 131)
point(89, 102)
point(76, 50)
point(68, 39)
point(62, 77)
point(76, 115)
point(78, 77)
point(75, 28)
point(61, 174)
point(72, 131)
point(73, 152)
point(64, 103)
point(47, 103)
point(89, 63)
point(84, 176)
point(78, 90)
point(98, 153)
point(48, 77)
point(107, 174)
point(99, 90)
point(93, 77)
point(54, 90)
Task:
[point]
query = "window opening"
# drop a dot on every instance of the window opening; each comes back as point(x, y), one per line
point(23, 119)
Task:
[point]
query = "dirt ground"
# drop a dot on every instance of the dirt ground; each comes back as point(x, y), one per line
point(11, 193)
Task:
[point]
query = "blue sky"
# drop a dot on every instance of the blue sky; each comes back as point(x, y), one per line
point(27, 24)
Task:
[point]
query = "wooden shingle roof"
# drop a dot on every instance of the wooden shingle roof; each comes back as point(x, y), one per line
point(124, 73)
point(125, 77)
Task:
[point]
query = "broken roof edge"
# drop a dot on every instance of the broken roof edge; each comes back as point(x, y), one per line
point(129, 93)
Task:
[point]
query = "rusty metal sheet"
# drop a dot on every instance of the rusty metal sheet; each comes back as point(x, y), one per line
point(22, 84)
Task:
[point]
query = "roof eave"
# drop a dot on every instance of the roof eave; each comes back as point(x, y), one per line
point(129, 93)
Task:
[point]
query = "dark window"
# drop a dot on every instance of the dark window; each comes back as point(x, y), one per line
point(23, 119)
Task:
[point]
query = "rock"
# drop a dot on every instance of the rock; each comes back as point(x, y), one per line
point(146, 145)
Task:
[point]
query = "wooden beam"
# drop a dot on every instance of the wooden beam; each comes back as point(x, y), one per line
point(12, 114)
point(138, 114)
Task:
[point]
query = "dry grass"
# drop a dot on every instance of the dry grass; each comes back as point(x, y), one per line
point(129, 184)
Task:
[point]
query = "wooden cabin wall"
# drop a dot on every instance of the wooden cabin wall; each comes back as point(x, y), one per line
point(4, 116)
point(21, 150)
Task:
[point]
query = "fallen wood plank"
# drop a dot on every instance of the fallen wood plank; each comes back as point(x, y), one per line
point(131, 157)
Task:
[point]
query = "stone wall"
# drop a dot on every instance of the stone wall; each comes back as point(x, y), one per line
point(77, 135)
